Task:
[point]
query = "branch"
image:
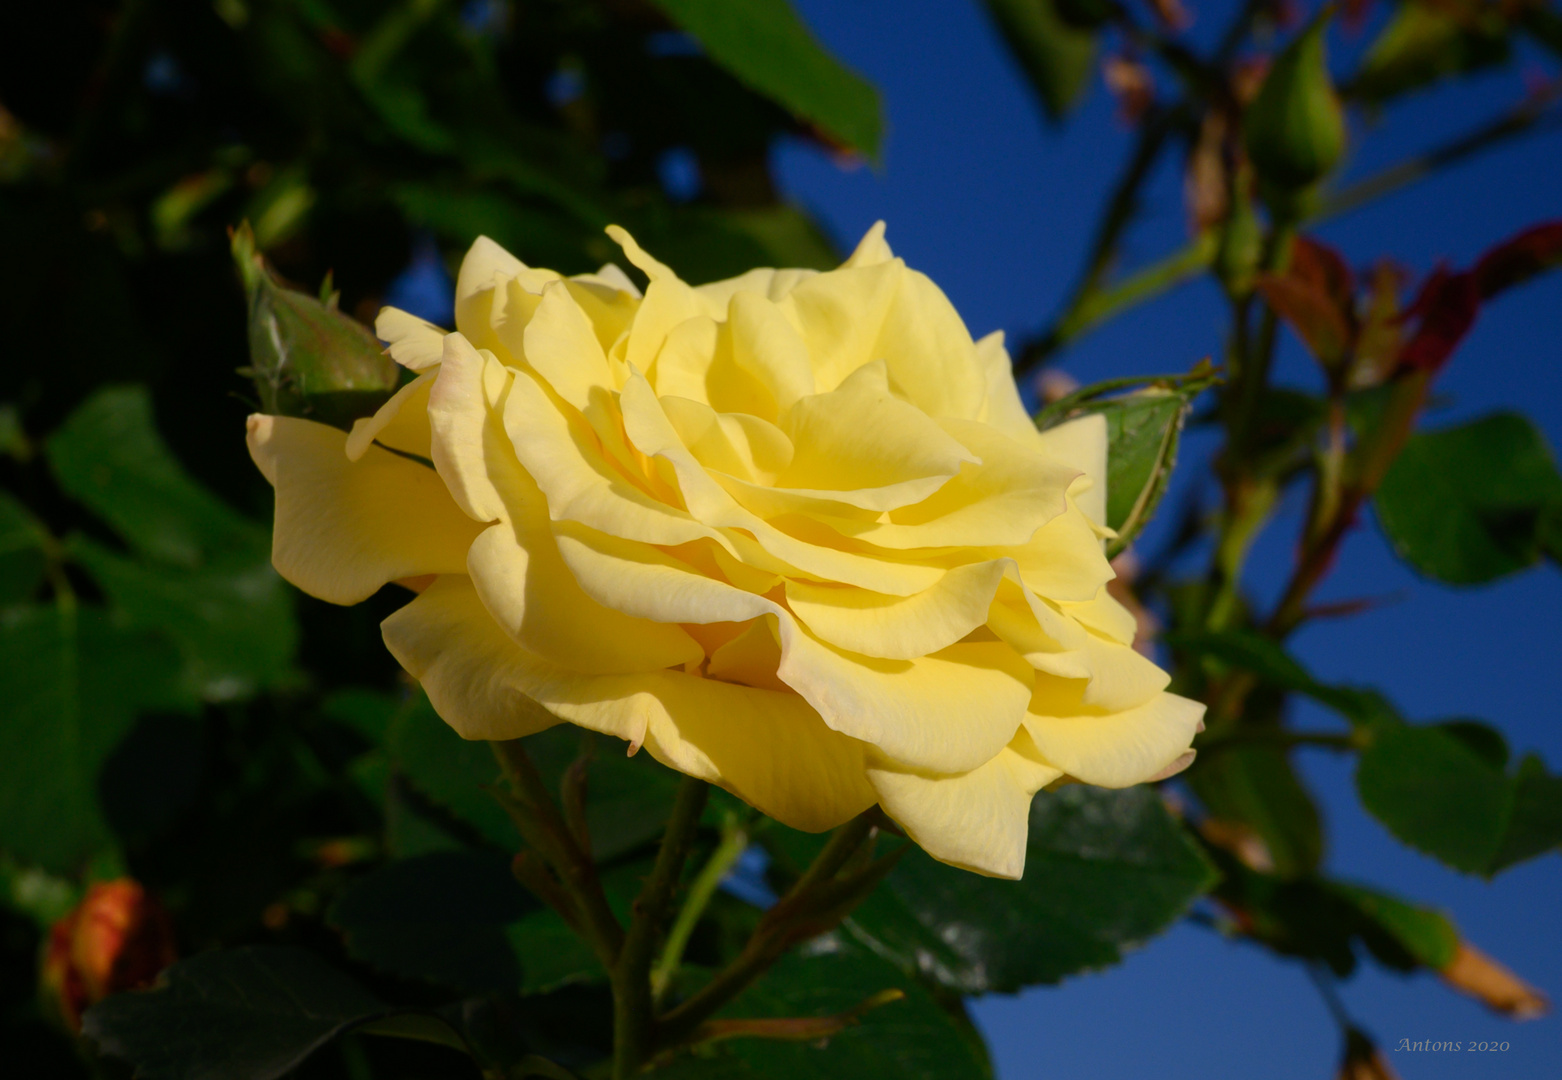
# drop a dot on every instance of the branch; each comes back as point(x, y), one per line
point(734, 842)
point(632, 1015)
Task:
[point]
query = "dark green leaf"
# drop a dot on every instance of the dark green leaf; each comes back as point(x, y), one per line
point(438, 917)
point(766, 46)
point(1439, 795)
point(23, 540)
point(1256, 787)
point(240, 1014)
point(1057, 57)
point(109, 456)
point(1464, 505)
point(73, 683)
point(452, 772)
point(916, 1038)
point(1104, 871)
point(232, 619)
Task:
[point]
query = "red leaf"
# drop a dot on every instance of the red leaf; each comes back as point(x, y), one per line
point(1519, 258)
point(1326, 268)
point(1446, 305)
point(1311, 312)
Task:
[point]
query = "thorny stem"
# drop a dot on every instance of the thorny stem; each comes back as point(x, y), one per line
point(633, 1020)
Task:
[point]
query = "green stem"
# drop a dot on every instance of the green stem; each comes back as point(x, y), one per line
point(1086, 313)
point(734, 842)
point(795, 914)
point(633, 1020)
point(1233, 736)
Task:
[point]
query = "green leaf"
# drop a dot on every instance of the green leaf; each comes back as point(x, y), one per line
point(1426, 935)
point(1438, 794)
point(1465, 505)
point(73, 683)
point(1104, 871)
point(767, 47)
point(1424, 43)
point(1144, 428)
point(232, 620)
point(1057, 57)
point(915, 1038)
point(1264, 657)
point(109, 456)
point(439, 917)
point(240, 1014)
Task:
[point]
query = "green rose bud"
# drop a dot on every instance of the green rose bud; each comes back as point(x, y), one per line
point(306, 357)
point(1295, 129)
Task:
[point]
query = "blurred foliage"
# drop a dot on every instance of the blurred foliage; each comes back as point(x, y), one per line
point(331, 855)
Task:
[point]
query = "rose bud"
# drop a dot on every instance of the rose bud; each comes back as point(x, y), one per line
point(118, 938)
point(1295, 129)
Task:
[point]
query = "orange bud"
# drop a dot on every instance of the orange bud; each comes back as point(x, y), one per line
point(1131, 84)
point(1473, 972)
point(117, 938)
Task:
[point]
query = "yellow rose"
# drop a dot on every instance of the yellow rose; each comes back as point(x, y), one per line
point(792, 533)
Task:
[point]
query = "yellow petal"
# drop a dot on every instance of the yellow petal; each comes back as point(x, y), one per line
point(477, 679)
point(947, 712)
point(412, 342)
point(865, 447)
point(400, 424)
point(898, 627)
point(529, 590)
point(1004, 500)
point(840, 314)
point(343, 528)
point(1110, 749)
point(562, 347)
point(771, 284)
point(872, 249)
point(1064, 560)
point(1105, 614)
point(1081, 444)
point(765, 747)
point(480, 291)
point(765, 344)
point(738, 444)
point(565, 459)
point(469, 447)
point(978, 820)
point(1004, 409)
point(932, 359)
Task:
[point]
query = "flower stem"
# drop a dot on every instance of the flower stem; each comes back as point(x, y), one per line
point(734, 842)
point(633, 1020)
point(816, 903)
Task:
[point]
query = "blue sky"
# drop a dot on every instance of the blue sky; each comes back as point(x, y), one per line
point(997, 207)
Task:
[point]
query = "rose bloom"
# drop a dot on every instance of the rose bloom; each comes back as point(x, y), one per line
point(793, 533)
point(118, 938)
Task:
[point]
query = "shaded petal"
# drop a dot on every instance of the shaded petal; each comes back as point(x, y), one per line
point(978, 820)
point(1004, 410)
point(765, 747)
point(343, 528)
point(469, 446)
point(840, 315)
point(765, 344)
point(1114, 749)
point(400, 424)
